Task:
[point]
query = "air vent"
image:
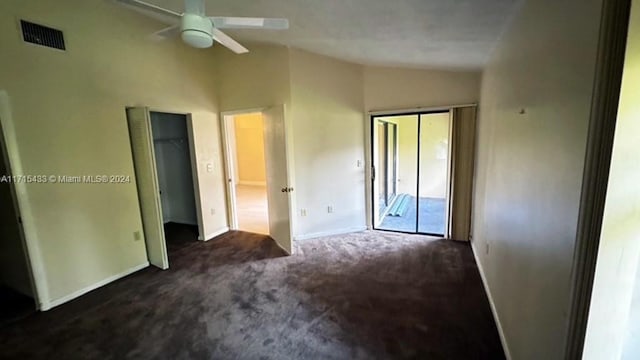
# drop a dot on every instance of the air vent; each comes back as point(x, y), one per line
point(42, 35)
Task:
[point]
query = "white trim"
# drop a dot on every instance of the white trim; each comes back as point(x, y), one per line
point(229, 154)
point(418, 109)
point(44, 306)
point(252, 183)
point(214, 234)
point(195, 176)
point(496, 318)
point(242, 112)
point(330, 233)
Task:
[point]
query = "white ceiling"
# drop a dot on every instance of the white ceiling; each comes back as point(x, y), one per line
point(414, 33)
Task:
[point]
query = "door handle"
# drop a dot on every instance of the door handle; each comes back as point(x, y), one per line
point(286, 189)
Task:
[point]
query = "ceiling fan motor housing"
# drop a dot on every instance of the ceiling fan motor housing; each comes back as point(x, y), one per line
point(196, 31)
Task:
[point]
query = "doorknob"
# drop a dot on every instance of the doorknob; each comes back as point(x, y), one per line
point(286, 189)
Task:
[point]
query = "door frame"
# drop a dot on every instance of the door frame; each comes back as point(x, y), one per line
point(394, 169)
point(194, 165)
point(22, 210)
point(368, 150)
point(192, 158)
point(228, 150)
point(612, 45)
point(230, 158)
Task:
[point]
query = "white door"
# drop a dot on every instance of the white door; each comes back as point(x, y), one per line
point(278, 187)
point(229, 138)
point(147, 181)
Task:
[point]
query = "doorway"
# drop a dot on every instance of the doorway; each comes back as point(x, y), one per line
point(247, 162)
point(163, 153)
point(17, 292)
point(175, 179)
point(259, 191)
point(411, 157)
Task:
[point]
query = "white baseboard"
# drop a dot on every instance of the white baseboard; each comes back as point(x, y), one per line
point(214, 234)
point(503, 339)
point(252, 183)
point(47, 305)
point(330, 233)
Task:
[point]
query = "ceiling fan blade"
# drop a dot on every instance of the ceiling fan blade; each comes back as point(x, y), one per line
point(226, 22)
point(228, 42)
point(166, 33)
point(194, 7)
point(154, 11)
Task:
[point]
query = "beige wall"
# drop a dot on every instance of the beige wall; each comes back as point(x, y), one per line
point(529, 169)
point(328, 128)
point(250, 148)
point(609, 317)
point(394, 88)
point(254, 80)
point(69, 116)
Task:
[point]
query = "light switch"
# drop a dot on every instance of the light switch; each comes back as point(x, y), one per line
point(209, 167)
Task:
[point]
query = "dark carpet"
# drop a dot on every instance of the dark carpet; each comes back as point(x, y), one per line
point(14, 306)
point(431, 217)
point(367, 295)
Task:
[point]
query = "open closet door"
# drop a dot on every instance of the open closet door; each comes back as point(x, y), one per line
point(147, 182)
point(278, 188)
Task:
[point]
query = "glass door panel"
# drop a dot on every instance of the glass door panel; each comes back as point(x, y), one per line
point(397, 174)
point(433, 173)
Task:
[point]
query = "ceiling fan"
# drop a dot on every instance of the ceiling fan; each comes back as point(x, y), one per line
point(199, 30)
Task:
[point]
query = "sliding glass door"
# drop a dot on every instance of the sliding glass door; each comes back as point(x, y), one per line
point(411, 172)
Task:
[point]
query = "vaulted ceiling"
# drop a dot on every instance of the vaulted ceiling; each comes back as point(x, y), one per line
point(415, 33)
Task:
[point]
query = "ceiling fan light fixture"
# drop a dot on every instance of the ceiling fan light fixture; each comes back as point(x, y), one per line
point(196, 31)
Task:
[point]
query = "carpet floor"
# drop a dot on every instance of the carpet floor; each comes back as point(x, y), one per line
point(14, 306)
point(368, 295)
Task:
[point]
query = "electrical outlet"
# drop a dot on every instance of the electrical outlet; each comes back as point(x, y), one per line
point(358, 163)
point(303, 212)
point(329, 209)
point(137, 235)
